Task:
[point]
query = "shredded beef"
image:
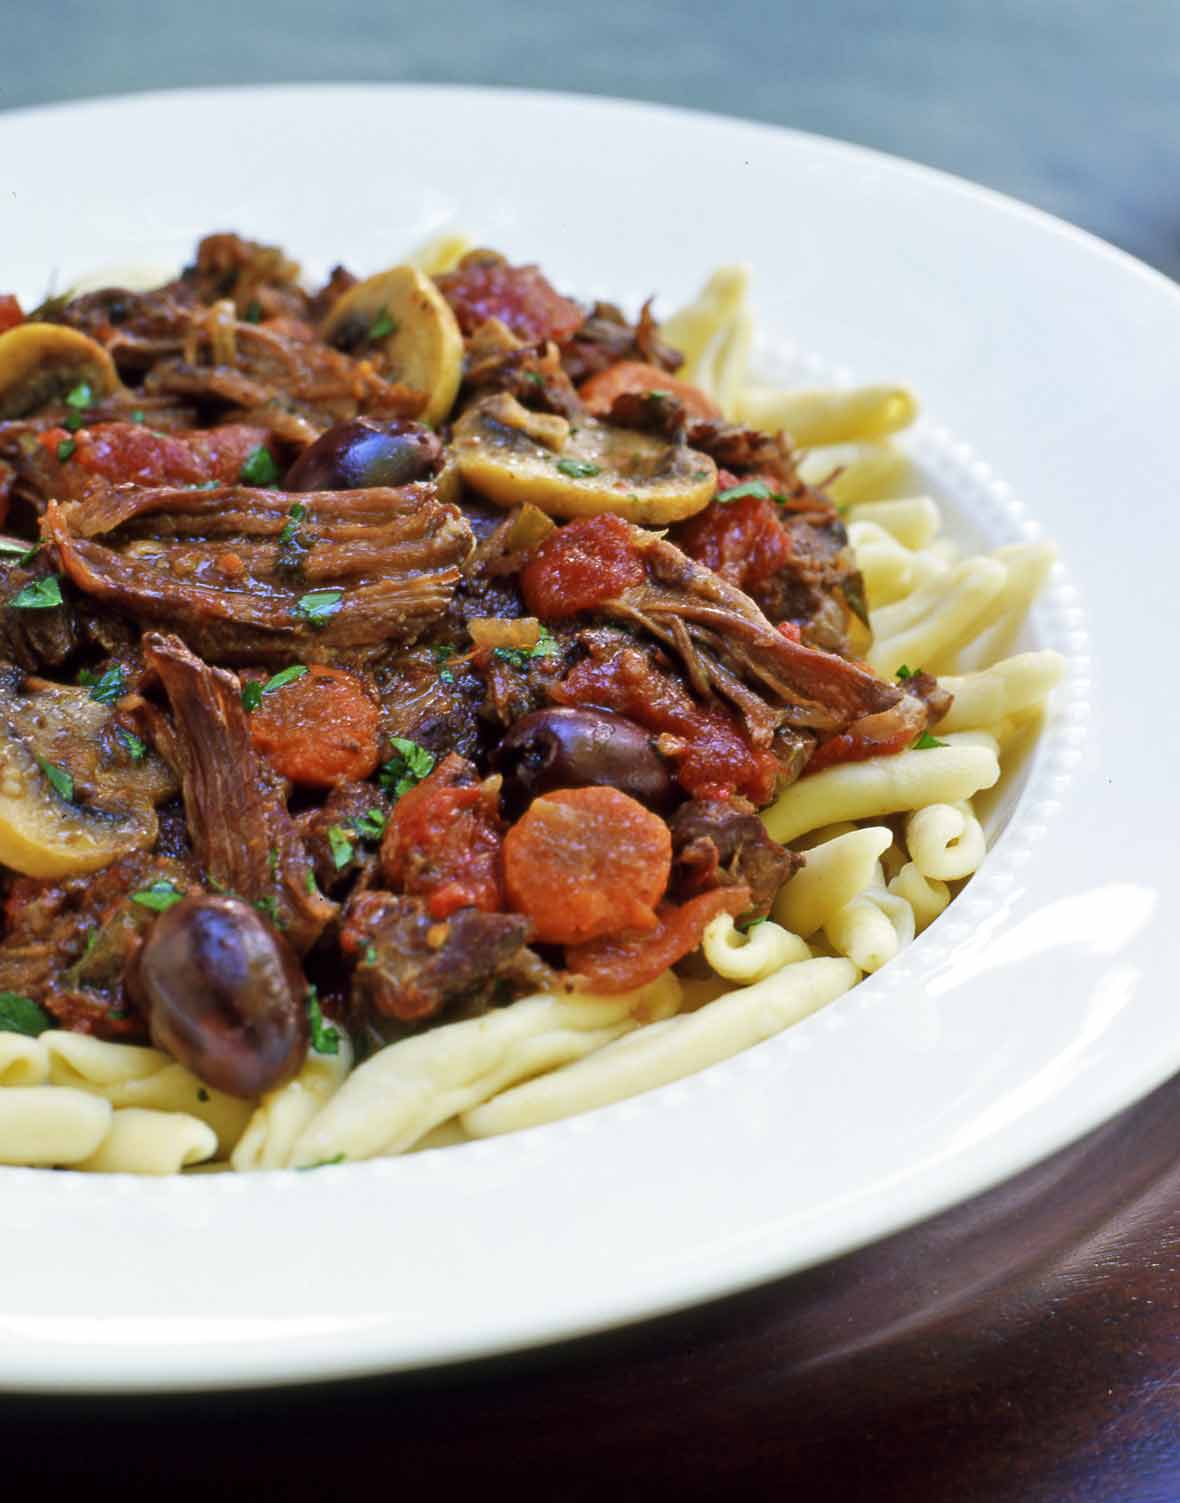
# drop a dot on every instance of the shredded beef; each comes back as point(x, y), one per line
point(243, 836)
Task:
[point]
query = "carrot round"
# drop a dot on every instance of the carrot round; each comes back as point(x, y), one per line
point(632, 376)
point(319, 728)
point(584, 862)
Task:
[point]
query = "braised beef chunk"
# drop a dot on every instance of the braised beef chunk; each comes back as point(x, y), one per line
point(606, 337)
point(723, 843)
point(342, 834)
point(38, 626)
point(412, 967)
point(243, 837)
point(229, 266)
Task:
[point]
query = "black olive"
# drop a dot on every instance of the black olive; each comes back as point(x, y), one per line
point(224, 994)
point(568, 748)
point(362, 452)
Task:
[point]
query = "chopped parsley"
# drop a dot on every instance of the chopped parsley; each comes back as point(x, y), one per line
point(905, 672)
point(60, 780)
point(442, 654)
point(309, 883)
point(137, 415)
point(926, 742)
point(253, 313)
point(370, 957)
point(758, 489)
point(74, 421)
point(291, 526)
point(407, 767)
point(519, 657)
point(324, 1038)
point(202, 1094)
point(259, 468)
point(535, 378)
point(81, 396)
point(24, 552)
point(22, 1015)
point(578, 469)
point(136, 749)
point(341, 846)
point(41, 595)
point(270, 907)
point(65, 449)
point(383, 325)
point(159, 896)
point(317, 605)
point(337, 1158)
point(105, 688)
point(371, 824)
point(272, 860)
point(253, 691)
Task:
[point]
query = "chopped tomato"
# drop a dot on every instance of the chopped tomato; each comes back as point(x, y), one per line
point(10, 312)
point(443, 841)
point(581, 564)
point(743, 540)
point(484, 286)
point(712, 756)
point(626, 376)
point(619, 964)
point(131, 452)
point(319, 728)
point(584, 862)
point(881, 735)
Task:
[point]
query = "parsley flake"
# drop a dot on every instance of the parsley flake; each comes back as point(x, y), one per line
point(317, 605)
point(337, 1158)
point(324, 1038)
point(383, 326)
point(259, 468)
point(340, 846)
point(926, 742)
point(291, 526)
point(758, 489)
point(202, 1094)
point(81, 396)
point(41, 595)
point(74, 421)
point(284, 677)
point(159, 896)
point(65, 449)
point(370, 954)
point(137, 415)
point(371, 825)
point(407, 767)
point(270, 907)
point(105, 688)
point(253, 313)
point(60, 780)
point(534, 378)
point(905, 672)
point(22, 1015)
point(578, 469)
point(136, 749)
point(251, 694)
point(309, 883)
point(519, 657)
point(22, 550)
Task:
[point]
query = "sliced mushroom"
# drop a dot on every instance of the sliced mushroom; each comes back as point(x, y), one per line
point(598, 468)
point(403, 312)
point(40, 363)
point(76, 792)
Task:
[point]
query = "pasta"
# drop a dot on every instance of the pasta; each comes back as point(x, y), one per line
point(522, 727)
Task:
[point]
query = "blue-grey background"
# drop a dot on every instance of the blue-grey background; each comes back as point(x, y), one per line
point(1073, 105)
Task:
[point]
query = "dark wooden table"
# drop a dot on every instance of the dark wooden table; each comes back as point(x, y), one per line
point(1022, 1348)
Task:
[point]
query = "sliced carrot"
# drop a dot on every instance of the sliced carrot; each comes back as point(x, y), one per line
point(583, 862)
point(319, 728)
point(627, 376)
point(618, 964)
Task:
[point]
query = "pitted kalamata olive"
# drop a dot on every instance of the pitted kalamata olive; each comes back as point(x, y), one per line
point(568, 748)
point(224, 994)
point(362, 452)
